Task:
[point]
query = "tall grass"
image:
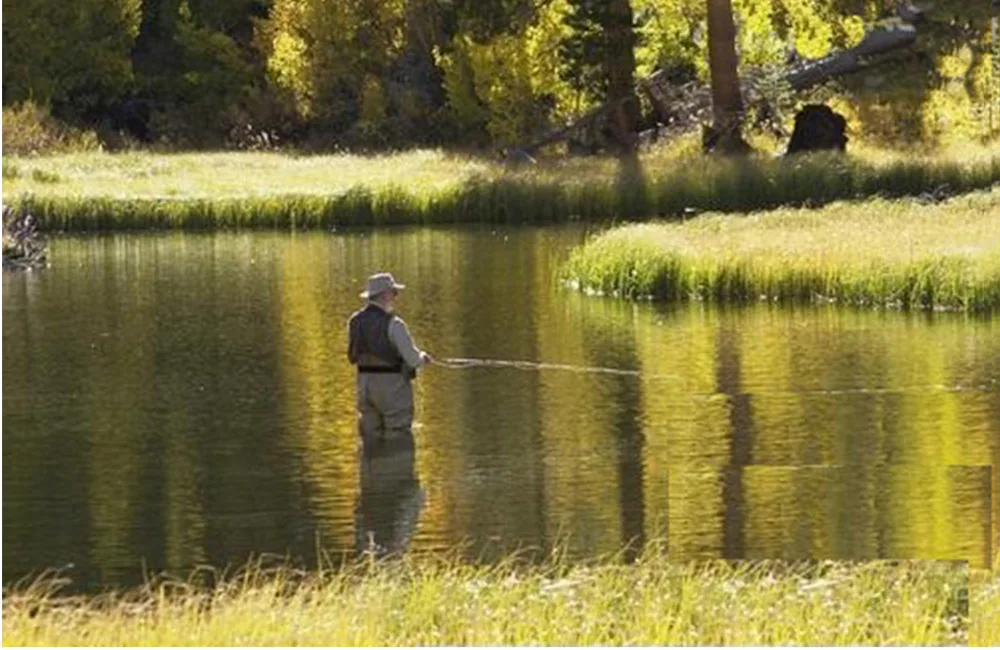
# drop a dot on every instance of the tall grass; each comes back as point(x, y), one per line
point(201, 191)
point(984, 606)
point(902, 254)
point(432, 602)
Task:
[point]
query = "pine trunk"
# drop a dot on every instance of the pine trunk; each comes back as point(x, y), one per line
point(727, 102)
point(620, 66)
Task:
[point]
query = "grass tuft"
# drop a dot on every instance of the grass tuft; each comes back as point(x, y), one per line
point(43, 176)
point(879, 253)
point(10, 172)
point(428, 601)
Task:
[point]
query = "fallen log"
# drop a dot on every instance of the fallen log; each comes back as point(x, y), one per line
point(889, 37)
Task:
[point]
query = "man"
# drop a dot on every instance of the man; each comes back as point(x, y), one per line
point(379, 344)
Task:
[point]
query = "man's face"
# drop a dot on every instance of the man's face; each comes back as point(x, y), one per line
point(389, 299)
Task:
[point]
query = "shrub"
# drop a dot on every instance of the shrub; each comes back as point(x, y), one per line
point(30, 129)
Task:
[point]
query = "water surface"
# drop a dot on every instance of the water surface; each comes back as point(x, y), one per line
point(178, 400)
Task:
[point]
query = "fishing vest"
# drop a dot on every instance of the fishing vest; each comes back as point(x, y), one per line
point(368, 345)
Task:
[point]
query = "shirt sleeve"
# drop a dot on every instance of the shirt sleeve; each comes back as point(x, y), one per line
point(399, 335)
point(350, 348)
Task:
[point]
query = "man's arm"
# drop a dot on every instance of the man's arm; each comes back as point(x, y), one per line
point(399, 335)
point(351, 356)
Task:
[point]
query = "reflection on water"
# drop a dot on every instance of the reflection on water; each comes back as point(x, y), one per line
point(181, 400)
point(390, 497)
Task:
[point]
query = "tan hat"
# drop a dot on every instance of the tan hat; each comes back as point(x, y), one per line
point(380, 283)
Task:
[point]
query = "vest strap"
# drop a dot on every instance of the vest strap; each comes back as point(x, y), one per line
point(385, 370)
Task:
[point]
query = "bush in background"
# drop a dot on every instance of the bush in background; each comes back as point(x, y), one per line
point(29, 128)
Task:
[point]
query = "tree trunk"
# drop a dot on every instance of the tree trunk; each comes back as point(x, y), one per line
point(620, 67)
point(727, 102)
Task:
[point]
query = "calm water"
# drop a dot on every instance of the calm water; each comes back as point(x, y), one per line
point(173, 401)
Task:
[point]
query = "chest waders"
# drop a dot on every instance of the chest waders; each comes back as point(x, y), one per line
point(384, 390)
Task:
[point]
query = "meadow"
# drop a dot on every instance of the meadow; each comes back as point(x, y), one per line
point(909, 254)
point(426, 601)
point(97, 191)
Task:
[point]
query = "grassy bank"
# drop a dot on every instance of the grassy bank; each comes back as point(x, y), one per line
point(902, 254)
point(427, 602)
point(96, 191)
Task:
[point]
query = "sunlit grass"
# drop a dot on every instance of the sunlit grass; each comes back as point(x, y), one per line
point(429, 602)
point(883, 253)
point(236, 175)
point(99, 191)
point(984, 606)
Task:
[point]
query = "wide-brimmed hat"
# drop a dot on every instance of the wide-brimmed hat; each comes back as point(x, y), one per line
point(380, 283)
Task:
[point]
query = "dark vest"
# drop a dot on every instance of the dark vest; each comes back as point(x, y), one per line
point(368, 345)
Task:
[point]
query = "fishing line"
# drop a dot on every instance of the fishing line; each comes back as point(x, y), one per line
point(462, 363)
point(458, 363)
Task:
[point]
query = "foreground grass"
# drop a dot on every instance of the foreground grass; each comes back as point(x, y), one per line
point(96, 191)
point(427, 602)
point(902, 254)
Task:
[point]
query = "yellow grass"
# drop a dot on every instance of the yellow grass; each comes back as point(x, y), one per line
point(429, 602)
point(97, 191)
point(900, 253)
point(247, 174)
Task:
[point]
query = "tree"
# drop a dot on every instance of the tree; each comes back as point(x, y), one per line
point(332, 57)
point(621, 72)
point(514, 83)
point(600, 56)
point(727, 101)
point(188, 65)
point(68, 54)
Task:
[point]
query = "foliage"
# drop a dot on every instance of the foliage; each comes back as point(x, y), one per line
point(331, 55)
point(68, 53)
point(29, 128)
point(921, 97)
point(671, 36)
point(940, 94)
point(585, 46)
point(189, 69)
point(459, 81)
point(392, 73)
point(512, 84)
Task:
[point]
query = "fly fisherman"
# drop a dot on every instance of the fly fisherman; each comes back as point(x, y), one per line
point(379, 344)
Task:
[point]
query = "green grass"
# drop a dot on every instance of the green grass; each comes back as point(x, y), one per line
point(98, 191)
point(428, 601)
point(10, 172)
point(898, 254)
point(43, 176)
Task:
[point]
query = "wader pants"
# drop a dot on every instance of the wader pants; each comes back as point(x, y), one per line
point(385, 406)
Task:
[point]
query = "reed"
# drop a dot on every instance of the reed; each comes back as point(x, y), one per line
point(97, 192)
point(879, 253)
point(428, 601)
